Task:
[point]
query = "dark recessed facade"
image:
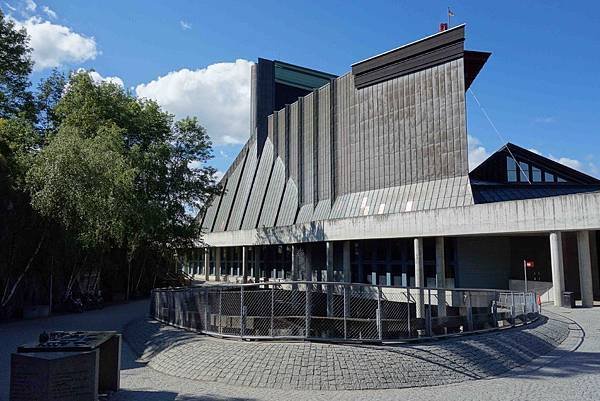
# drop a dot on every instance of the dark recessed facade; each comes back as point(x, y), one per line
point(348, 178)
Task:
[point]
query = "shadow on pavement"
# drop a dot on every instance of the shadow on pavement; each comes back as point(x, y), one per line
point(148, 395)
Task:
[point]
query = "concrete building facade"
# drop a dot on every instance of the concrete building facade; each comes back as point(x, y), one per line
point(365, 178)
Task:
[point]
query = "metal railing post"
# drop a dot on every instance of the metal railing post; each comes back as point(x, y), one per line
point(469, 312)
point(428, 315)
point(272, 309)
point(408, 311)
point(345, 311)
point(525, 307)
point(242, 312)
point(495, 313)
point(378, 314)
point(307, 311)
point(512, 308)
point(206, 309)
point(220, 310)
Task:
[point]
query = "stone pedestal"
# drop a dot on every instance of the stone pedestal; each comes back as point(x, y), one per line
point(54, 376)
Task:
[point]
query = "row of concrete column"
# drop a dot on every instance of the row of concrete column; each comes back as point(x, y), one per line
point(556, 257)
point(585, 268)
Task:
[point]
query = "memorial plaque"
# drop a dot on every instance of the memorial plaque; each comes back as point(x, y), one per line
point(54, 376)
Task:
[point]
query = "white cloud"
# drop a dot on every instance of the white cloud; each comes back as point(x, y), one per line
point(219, 95)
point(30, 5)
point(98, 79)
point(544, 120)
point(477, 152)
point(218, 175)
point(55, 45)
point(49, 12)
point(185, 25)
point(588, 166)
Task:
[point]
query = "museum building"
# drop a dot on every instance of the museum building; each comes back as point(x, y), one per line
point(364, 178)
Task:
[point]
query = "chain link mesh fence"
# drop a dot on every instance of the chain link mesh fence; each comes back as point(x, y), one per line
point(339, 311)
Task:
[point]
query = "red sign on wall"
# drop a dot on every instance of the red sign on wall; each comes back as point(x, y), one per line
point(528, 264)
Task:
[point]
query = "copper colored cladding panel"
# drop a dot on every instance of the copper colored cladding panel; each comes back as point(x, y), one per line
point(426, 53)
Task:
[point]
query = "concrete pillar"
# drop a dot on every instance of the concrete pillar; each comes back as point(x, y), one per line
point(585, 269)
point(217, 264)
point(329, 264)
point(294, 263)
point(594, 258)
point(206, 263)
point(419, 277)
point(556, 260)
point(440, 274)
point(347, 264)
point(244, 263)
point(256, 263)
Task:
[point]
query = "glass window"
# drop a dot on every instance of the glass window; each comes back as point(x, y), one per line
point(559, 179)
point(511, 170)
point(524, 172)
point(536, 174)
point(548, 177)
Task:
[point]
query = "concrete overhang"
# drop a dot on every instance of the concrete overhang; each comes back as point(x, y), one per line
point(542, 215)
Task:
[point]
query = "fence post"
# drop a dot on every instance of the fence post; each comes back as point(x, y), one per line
point(495, 313)
point(220, 311)
point(429, 331)
point(378, 314)
point(512, 307)
point(307, 310)
point(525, 307)
point(345, 311)
point(242, 312)
point(206, 314)
point(272, 309)
point(469, 312)
point(408, 310)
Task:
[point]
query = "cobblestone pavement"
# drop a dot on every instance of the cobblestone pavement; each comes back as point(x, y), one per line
point(319, 366)
point(569, 372)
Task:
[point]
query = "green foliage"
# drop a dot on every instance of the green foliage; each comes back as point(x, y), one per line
point(49, 93)
point(18, 144)
point(15, 67)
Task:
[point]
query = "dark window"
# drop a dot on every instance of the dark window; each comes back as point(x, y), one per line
point(548, 177)
point(524, 172)
point(511, 170)
point(536, 174)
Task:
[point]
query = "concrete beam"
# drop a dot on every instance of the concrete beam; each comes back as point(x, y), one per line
point(558, 213)
point(556, 260)
point(585, 269)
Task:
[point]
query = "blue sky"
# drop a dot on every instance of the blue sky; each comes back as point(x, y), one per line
point(541, 86)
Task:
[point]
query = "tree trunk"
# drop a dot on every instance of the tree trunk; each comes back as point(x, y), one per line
point(7, 297)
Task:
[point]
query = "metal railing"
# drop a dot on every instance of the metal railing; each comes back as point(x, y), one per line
point(337, 311)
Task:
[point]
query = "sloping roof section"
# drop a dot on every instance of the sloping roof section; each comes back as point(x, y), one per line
point(513, 173)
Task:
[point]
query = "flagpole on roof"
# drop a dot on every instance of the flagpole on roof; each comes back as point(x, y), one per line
point(450, 14)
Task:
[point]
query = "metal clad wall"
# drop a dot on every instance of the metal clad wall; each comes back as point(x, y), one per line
point(294, 151)
point(324, 155)
point(259, 188)
point(272, 200)
point(281, 135)
point(211, 213)
point(289, 204)
point(241, 200)
point(229, 196)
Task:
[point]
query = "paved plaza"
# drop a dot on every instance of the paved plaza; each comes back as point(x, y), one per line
point(514, 364)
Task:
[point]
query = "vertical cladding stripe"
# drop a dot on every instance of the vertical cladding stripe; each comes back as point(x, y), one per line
point(443, 129)
point(463, 118)
point(300, 149)
point(332, 142)
point(233, 185)
point(286, 132)
point(316, 146)
point(259, 188)
point(241, 199)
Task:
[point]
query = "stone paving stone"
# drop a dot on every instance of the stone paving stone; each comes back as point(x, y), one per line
point(322, 366)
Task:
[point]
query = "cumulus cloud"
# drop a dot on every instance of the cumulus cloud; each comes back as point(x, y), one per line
point(30, 5)
point(55, 45)
point(98, 79)
point(185, 25)
point(477, 152)
point(49, 12)
point(587, 166)
point(219, 95)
